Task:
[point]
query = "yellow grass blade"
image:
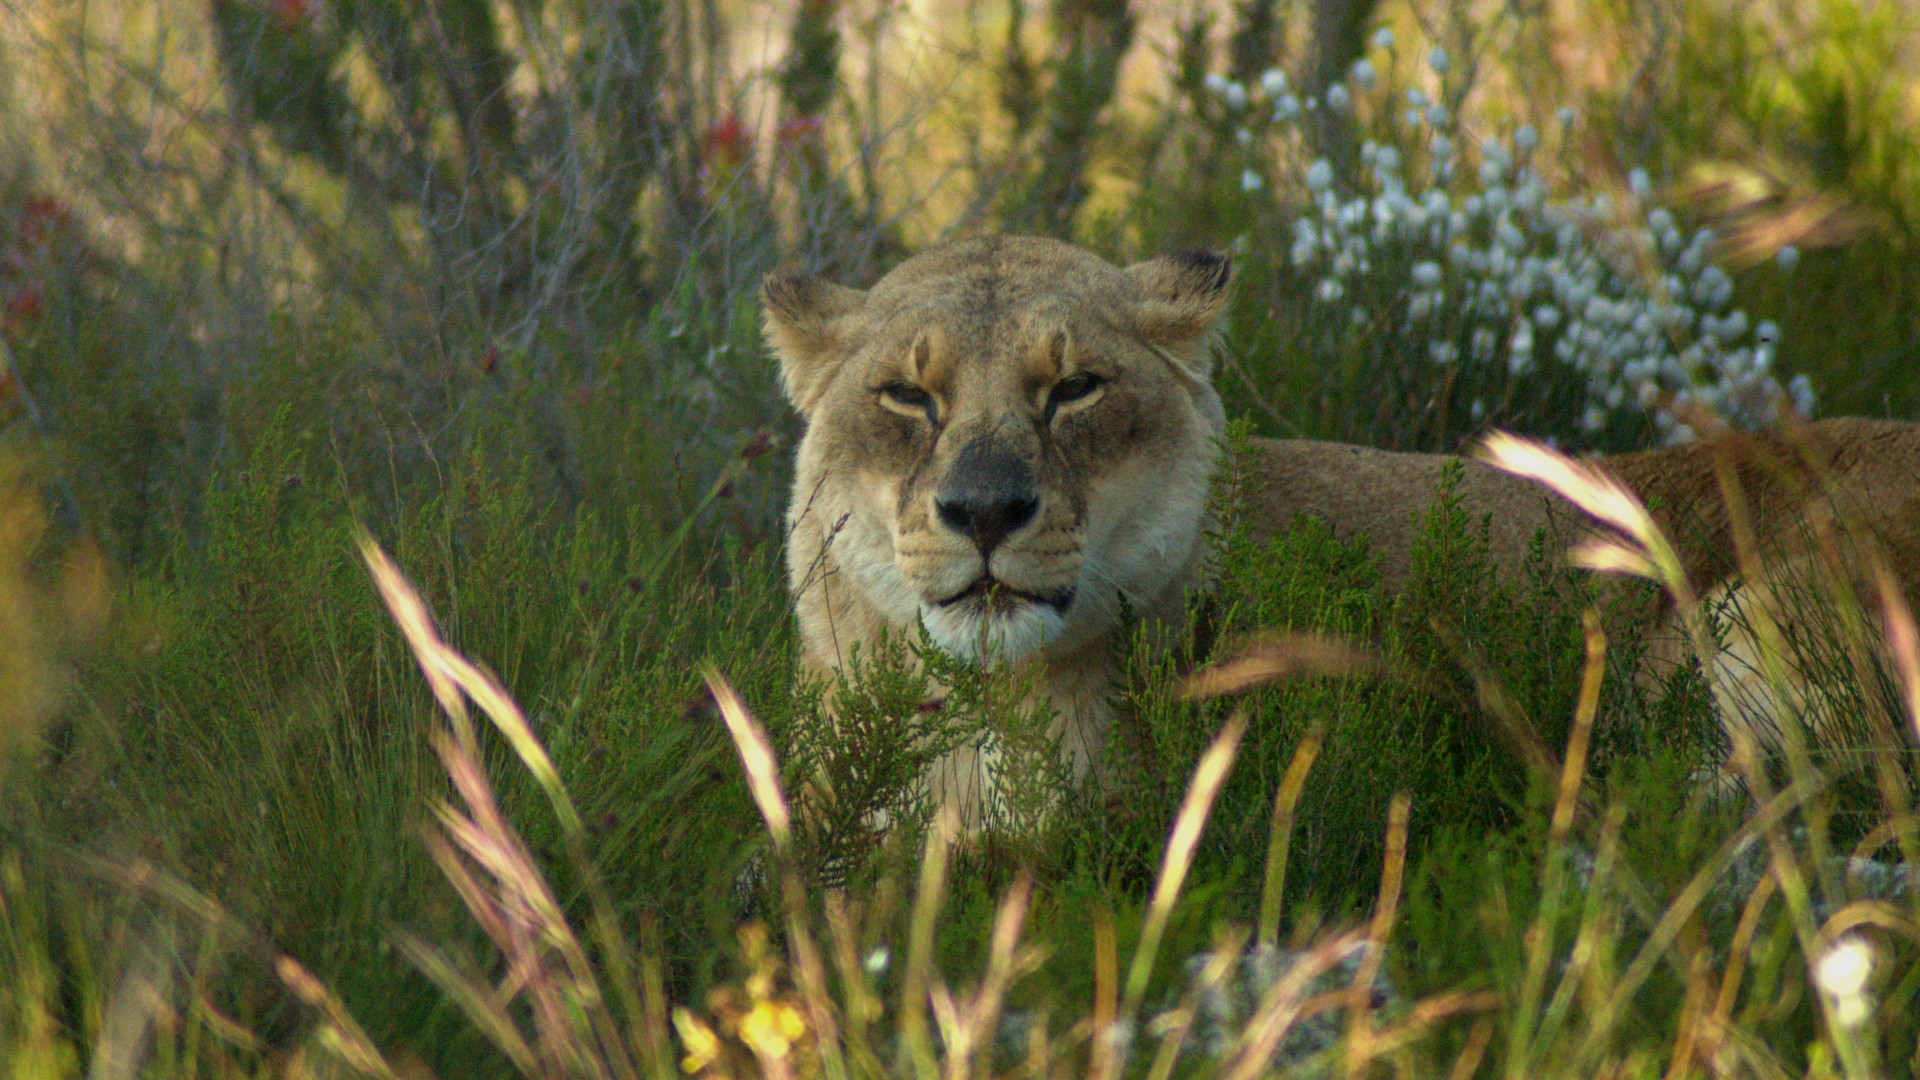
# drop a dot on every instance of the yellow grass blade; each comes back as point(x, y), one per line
point(756, 755)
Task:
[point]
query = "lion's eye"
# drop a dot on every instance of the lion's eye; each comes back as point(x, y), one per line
point(1071, 389)
point(909, 396)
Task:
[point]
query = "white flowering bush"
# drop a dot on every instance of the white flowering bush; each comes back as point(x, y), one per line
point(1417, 288)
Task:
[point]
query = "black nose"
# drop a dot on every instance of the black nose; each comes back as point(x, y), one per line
point(987, 521)
point(988, 494)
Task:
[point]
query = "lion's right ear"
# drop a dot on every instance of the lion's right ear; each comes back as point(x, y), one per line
point(808, 323)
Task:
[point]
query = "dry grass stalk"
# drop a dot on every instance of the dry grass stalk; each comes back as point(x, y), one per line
point(1270, 656)
point(1177, 1023)
point(1280, 835)
point(1283, 1004)
point(968, 1028)
point(575, 1033)
point(1208, 778)
point(756, 755)
point(1641, 549)
point(1360, 993)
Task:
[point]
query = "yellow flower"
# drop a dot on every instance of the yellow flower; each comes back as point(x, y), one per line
point(703, 1046)
point(772, 1028)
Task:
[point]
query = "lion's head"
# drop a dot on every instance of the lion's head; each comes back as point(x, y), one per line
point(1005, 437)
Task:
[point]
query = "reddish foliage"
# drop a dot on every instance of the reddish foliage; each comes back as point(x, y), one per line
point(40, 217)
point(289, 15)
point(729, 142)
point(759, 446)
point(24, 306)
point(801, 130)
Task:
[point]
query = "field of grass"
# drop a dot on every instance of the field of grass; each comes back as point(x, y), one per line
point(291, 289)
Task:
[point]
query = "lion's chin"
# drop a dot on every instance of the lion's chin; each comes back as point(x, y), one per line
point(993, 635)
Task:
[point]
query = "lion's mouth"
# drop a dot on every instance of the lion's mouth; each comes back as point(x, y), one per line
point(993, 594)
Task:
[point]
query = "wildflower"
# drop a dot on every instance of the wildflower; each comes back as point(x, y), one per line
point(1842, 973)
point(1274, 82)
point(729, 141)
point(1242, 136)
point(1426, 274)
point(1438, 60)
point(1215, 83)
point(1287, 108)
point(24, 306)
point(288, 15)
point(1441, 147)
point(1443, 352)
point(1320, 175)
point(1363, 75)
point(40, 217)
point(703, 1045)
point(1638, 183)
point(877, 960)
point(772, 1028)
point(1437, 114)
point(1520, 348)
point(1416, 97)
point(1329, 290)
point(1250, 181)
point(1767, 332)
point(1801, 390)
point(1337, 98)
point(1383, 39)
point(1713, 289)
point(1787, 257)
point(1387, 159)
point(1566, 116)
point(1235, 96)
point(1525, 138)
point(800, 130)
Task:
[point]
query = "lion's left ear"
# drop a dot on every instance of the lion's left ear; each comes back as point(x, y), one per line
point(808, 322)
point(1181, 296)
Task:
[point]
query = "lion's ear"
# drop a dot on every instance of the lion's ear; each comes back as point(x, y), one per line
point(808, 323)
point(1181, 296)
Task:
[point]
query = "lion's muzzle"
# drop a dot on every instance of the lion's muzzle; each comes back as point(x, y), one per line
point(988, 493)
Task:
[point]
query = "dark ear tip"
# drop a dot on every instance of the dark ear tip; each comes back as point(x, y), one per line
point(1211, 269)
point(789, 292)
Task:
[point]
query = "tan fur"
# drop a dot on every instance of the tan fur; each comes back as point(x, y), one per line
point(986, 326)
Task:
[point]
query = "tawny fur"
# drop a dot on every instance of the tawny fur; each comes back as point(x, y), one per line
point(985, 326)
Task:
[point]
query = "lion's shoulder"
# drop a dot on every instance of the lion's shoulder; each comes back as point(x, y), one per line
point(1385, 496)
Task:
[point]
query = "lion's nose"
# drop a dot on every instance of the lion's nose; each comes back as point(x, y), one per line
point(988, 494)
point(986, 521)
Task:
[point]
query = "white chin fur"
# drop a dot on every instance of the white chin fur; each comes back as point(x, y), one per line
point(1007, 638)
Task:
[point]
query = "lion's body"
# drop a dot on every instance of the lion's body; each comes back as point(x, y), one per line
point(1008, 439)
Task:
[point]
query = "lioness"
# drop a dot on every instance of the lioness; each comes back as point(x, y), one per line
point(1007, 438)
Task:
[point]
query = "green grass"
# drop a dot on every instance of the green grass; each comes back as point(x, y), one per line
point(246, 767)
point(248, 309)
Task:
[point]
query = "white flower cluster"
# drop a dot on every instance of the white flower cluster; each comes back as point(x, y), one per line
point(1475, 262)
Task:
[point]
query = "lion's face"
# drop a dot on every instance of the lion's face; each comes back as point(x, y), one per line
point(1005, 438)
